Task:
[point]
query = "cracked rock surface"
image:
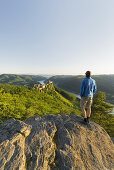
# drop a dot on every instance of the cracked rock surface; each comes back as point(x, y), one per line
point(54, 142)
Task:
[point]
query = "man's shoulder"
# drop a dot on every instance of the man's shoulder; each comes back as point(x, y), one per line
point(83, 80)
point(88, 79)
point(93, 80)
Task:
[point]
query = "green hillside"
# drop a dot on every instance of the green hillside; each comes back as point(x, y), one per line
point(105, 83)
point(21, 102)
point(20, 79)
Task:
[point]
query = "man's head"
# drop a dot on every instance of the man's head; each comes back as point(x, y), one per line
point(88, 73)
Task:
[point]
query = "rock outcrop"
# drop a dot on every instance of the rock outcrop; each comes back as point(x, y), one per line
point(54, 142)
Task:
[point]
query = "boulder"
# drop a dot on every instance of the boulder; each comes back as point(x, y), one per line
point(54, 142)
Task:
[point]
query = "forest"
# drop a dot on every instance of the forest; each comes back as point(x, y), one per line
point(21, 102)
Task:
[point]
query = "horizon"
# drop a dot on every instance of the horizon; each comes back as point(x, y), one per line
point(57, 37)
point(40, 74)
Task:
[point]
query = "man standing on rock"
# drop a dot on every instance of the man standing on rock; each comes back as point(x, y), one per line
point(87, 91)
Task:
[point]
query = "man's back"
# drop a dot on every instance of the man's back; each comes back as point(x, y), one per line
point(88, 87)
point(87, 90)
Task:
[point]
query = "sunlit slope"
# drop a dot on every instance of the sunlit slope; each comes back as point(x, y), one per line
point(22, 102)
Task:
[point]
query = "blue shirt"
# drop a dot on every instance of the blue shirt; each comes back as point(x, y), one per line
point(88, 87)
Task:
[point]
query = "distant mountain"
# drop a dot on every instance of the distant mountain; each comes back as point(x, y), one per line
point(105, 83)
point(20, 79)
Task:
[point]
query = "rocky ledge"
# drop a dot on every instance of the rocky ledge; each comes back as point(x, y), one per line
point(54, 142)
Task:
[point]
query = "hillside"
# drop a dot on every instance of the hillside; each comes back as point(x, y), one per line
point(54, 142)
point(20, 79)
point(21, 102)
point(105, 83)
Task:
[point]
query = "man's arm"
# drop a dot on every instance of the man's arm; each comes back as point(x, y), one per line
point(95, 88)
point(82, 89)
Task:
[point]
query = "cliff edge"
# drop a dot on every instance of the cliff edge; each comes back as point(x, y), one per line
point(54, 142)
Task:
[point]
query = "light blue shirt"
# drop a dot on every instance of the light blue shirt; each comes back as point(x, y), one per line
point(88, 87)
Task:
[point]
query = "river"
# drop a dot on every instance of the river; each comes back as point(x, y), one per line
point(41, 82)
point(77, 95)
point(112, 112)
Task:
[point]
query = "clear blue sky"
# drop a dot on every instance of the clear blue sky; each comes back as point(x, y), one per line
point(57, 36)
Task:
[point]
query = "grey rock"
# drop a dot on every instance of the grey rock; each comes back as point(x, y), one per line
point(12, 144)
point(54, 142)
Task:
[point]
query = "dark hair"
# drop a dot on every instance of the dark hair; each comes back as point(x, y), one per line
point(88, 73)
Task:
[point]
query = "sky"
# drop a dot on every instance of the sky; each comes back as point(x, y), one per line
point(56, 36)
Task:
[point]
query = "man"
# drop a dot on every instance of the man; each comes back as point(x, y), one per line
point(87, 91)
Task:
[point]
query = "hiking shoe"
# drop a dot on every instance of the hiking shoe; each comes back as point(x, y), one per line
point(85, 121)
point(88, 119)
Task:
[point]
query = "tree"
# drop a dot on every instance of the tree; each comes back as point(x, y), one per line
point(101, 112)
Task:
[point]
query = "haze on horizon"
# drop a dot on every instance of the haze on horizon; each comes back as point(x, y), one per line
point(57, 37)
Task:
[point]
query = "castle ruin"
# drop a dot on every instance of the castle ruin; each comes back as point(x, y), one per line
point(40, 87)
